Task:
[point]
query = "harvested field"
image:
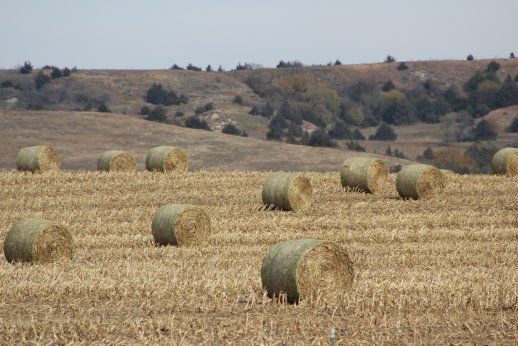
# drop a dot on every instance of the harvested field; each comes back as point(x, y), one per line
point(441, 270)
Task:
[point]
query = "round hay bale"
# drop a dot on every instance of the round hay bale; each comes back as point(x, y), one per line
point(37, 159)
point(116, 161)
point(364, 173)
point(180, 225)
point(38, 241)
point(303, 268)
point(166, 159)
point(288, 191)
point(505, 161)
point(447, 171)
point(419, 181)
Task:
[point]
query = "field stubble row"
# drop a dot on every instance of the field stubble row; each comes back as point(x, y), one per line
point(439, 270)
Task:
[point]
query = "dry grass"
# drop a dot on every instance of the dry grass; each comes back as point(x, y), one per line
point(438, 271)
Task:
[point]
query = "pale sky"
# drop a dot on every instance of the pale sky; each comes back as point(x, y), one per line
point(155, 34)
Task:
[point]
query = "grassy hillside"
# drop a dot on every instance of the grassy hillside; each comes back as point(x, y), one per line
point(81, 137)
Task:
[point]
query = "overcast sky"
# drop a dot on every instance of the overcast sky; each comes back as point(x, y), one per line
point(155, 34)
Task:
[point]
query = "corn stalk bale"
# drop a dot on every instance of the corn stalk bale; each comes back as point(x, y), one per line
point(166, 159)
point(505, 161)
point(180, 225)
point(287, 191)
point(420, 181)
point(302, 268)
point(364, 173)
point(37, 159)
point(38, 241)
point(116, 161)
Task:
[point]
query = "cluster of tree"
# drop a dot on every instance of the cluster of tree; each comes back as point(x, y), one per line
point(294, 63)
point(265, 111)
point(191, 67)
point(158, 113)
point(195, 122)
point(474, 159)
point(158, 95)
point(395, 153)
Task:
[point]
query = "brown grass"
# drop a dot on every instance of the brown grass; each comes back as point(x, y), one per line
point(434, 271)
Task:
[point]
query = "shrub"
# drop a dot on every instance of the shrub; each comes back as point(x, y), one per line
point(454, 160)
point(485, 130)
point(103, 108)
point(390, 59)
point(354, 146)
point(511, 56)
point(319, 138)
point(246, 66)
point(220, 69)
point(67, 72)
point(402, 66)
point(470, 57)
point(208, 107)
point(179, 114)
point(254, 111)
point(176, 67)
point(230, 129)
point(41, 79)
point(191, 67)
point(514, 125)
point(358, 135)
point(158, 95)
point(340, 131)
point(338, 62)
point(482, 153)
point(144, 110)
point(6, 84)
point(493, 66)
point(238, 100)
point(389, 85)
point(56, 73)
point(195, 122)
point(157, 114)
point(26, 68)
point(384, 133)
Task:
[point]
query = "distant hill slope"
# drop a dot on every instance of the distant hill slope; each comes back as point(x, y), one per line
point(80, 137)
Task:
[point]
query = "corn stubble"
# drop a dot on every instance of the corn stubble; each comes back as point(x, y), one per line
point(440, 270)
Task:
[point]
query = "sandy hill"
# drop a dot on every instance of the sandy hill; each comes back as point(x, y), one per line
point(80, 137)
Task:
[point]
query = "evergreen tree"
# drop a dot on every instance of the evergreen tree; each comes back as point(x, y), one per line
point(384, 133)
point(208, 68)
point(470, 57)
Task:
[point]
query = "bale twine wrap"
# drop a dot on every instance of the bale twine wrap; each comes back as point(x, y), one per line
point(288, 191)
point(38, 241)
point(116, 161)
point(505, 161)
point(364, 173)
point(166, 159)
point(37, 159)
point(303, 268)
point(180, 225)
point(419, 181)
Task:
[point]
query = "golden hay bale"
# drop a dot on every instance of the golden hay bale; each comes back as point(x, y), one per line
point(365, 173)
point(166, 159)
point(37, 159)
point(303, 268)
point(116, 161)
point(447, 171)
point(419, 181)
point(180, 224)
point(505, 161)
point(288, 191)
point(38, 241)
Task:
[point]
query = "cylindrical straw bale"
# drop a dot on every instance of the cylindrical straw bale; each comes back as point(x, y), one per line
point(287, 191)
point(419, 181)
point(116, 161)
point(180, 225)
point(37, 159)
point(38, 241)
point(166, 159)
point(364, 173)
point(505, 161)
point(305, 267)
